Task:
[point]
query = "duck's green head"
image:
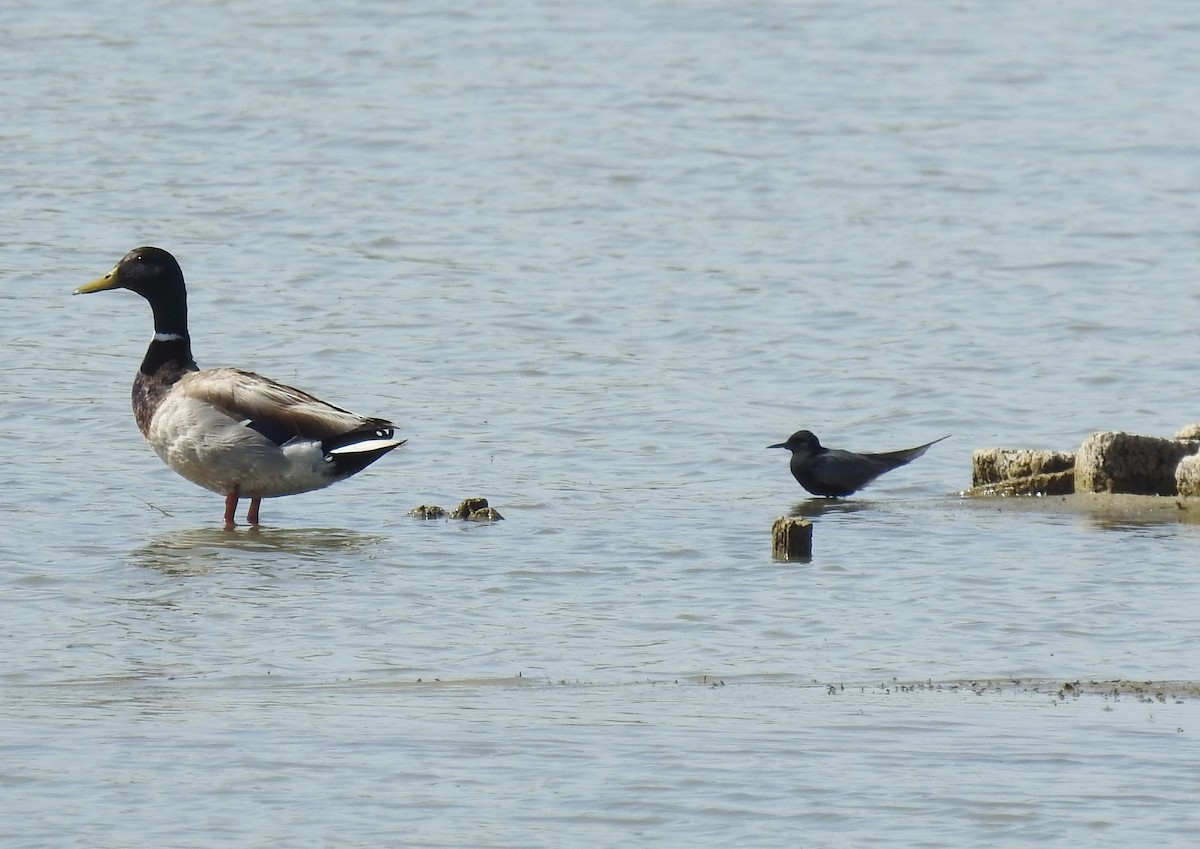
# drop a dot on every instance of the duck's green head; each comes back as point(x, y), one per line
point(151, 272)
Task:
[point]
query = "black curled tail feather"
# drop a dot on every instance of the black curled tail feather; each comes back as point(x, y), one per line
point(353, 451)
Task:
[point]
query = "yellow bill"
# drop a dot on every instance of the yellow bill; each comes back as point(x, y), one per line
point(112, 280)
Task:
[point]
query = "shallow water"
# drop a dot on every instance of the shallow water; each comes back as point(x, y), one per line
point(593, 260)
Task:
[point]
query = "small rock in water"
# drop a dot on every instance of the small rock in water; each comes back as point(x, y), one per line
point(468, 506)
point(486, 514)
point(469, 509)
point(427, 511)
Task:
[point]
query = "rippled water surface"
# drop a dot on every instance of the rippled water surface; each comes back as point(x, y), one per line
point(594, 258)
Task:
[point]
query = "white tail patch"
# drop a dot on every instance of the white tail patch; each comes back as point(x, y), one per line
point(381, 442)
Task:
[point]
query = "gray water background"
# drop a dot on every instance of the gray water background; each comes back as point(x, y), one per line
point(593, 258)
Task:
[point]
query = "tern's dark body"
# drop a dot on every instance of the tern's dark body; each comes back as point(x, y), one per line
point(833, 473)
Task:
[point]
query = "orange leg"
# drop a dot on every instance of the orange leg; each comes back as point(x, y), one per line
point(231, 501)
point(252, 513)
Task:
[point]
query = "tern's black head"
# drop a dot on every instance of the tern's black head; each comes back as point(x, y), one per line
point(801, 440)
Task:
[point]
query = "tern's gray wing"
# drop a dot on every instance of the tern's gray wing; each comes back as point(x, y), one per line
point(837, 472)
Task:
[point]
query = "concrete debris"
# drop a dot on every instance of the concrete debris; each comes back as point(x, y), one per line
point(1107, 462)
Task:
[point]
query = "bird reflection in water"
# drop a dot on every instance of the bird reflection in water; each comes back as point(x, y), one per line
point(199, 551)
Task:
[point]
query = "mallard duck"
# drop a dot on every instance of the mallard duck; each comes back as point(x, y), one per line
point(834, 473)
point(230, 431)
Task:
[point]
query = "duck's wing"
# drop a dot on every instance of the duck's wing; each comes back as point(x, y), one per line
point(275, 410)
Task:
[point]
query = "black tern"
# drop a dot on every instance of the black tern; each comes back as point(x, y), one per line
point(834, 473)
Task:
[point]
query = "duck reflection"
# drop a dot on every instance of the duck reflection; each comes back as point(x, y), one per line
point(199, 551)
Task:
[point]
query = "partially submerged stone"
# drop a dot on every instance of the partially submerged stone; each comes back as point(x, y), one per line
point(1112, 461)
point(468, 506)
point(1107, 462)
point(427, 511)
point(791, 539)
point(469, 509)
point(1020, 471)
